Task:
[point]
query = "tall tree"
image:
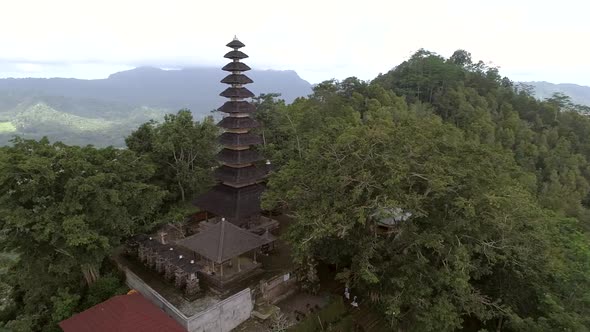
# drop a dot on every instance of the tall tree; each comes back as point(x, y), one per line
point(182, 149)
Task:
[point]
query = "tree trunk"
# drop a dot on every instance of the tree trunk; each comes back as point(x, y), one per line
point(296, 136)
point(90, 272)
point(499, 327)
point(181, 190)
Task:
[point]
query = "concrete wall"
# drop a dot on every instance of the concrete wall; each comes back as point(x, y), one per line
point(222, 316)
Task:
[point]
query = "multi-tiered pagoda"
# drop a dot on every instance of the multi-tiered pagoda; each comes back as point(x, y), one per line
point(224, 252)
point(237, 196)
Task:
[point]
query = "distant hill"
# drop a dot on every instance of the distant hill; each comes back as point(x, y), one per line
point(73, 121)
point(103, 111)
point(578, 93)
point(195, 88)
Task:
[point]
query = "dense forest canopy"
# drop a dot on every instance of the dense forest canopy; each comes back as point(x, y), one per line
point(494, 184)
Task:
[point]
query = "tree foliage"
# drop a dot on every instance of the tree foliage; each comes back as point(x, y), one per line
point(182, 150)
point(63, 210)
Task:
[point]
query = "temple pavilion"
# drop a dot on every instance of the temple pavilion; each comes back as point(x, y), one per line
point(223, 249)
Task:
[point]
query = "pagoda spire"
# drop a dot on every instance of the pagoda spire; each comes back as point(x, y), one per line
point(237, 195)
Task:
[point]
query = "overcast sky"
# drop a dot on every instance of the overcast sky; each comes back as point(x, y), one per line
point(527, 39)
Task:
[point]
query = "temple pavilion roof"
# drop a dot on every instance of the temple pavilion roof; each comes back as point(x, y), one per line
point(235, 55)
point(236, 66)
point(237, 107)
point(222, 241)
point(235, 44)
point(235, 139)
point(238, 157)
point(237, 93)
point(236, 79)
point(231, 122)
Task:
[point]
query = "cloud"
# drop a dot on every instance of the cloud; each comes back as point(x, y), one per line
point(318, 39)
point(40, 70)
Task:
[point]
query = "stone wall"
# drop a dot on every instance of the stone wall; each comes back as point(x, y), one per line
point(222, 316)
point(277, 288)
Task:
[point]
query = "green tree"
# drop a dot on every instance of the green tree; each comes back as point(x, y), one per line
point(461, 58)
point(64, 209)
point(183, 151)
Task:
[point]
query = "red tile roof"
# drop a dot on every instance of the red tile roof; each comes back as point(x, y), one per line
point(122, 313)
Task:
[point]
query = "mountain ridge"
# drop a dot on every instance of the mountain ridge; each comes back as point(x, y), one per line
point(195, 88)
point(579, 94)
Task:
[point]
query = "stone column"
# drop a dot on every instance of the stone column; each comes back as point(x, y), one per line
point(160, 264)
point(132, 249)
point(192, 285)
point(169, 272)
point(179, 278)
point(141, 253)
point(151, 259)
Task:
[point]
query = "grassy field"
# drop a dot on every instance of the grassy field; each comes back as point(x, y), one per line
point(7, 127)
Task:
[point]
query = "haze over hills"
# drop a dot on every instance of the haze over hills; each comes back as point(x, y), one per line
point(194, 88)
point(578, 93)
point(103, 111)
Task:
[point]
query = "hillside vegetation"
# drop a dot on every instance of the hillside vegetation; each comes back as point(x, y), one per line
point(103, 112)
point(73, 122)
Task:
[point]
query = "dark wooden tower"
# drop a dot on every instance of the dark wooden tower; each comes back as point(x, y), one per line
point(237, 195)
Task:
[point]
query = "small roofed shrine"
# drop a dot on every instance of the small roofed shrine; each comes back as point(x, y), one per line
point(237, 195)
point(388, 220)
